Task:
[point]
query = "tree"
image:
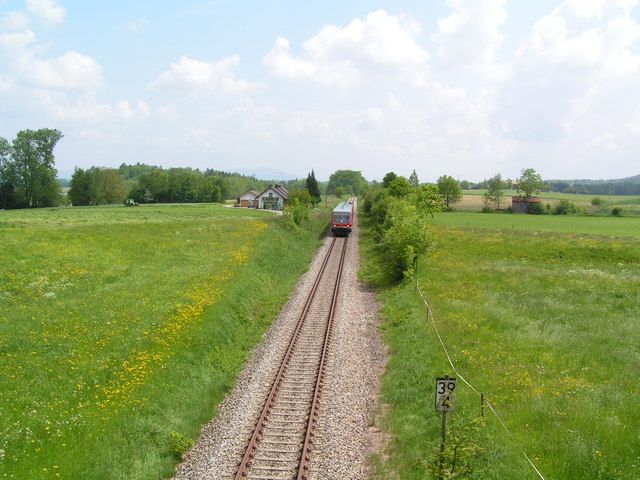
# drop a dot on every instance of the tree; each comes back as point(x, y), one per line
point(413, 179)
point(495, 192)
point(388, 178)
point(312, 187)
point(449, 190)
point(427, 200)
point(530, 182)
point(400, 187)
point(28, 176)
point(340, 191)
point(302, 195)
point(351, 180)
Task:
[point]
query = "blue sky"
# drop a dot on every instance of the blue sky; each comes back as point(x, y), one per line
point(462, 87)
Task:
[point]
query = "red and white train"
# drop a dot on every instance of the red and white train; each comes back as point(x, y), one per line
point(342, 218)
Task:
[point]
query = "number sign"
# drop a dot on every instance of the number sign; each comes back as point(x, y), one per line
point(444, 394)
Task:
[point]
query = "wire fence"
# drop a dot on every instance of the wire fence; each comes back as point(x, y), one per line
point(431, 319)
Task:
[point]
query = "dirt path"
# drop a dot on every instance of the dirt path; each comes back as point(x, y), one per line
point(344, 436)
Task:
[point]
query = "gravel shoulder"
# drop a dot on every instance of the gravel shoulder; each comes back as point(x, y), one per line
point(345, 437)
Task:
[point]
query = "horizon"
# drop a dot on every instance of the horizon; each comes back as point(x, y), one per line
point(457, 87)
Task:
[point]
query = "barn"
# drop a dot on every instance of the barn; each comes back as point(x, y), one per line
point(522, 204)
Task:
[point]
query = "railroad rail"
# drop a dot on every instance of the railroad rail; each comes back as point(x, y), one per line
point(280, 445)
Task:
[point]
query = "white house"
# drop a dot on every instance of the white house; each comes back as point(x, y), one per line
point(273, 198)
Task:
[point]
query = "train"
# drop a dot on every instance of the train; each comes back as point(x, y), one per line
point(342, 218)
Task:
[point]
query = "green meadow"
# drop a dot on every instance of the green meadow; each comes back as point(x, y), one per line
point(121, 329)
point(541, 315)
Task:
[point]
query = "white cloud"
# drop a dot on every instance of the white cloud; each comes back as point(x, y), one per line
point(14, 21)
point(195, 76)
point(72, 71)
point(470, 37)
point(340, 55)
point(606, 141)
point(47, 10)
point(18, 40)
point(89, 110)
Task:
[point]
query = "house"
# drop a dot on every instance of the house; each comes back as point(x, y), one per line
point(273, 198)
point(248, 199)
point(522, 204)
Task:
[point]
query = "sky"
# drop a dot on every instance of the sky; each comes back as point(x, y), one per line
point(467, 88)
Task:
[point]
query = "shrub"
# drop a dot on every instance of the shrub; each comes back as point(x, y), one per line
point(565, 207)
point(406, 236)
point(179, 444)
point(537, 208)
point(597, 201)
point(486, 209)
point(294, 213)
point(616, 211)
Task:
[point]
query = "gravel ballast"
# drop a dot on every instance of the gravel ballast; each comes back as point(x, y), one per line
point(344, 437)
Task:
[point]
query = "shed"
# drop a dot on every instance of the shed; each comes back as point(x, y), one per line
point(248, 199)
point(523, 204)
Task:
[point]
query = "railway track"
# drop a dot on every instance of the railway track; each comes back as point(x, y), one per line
point(282, 438)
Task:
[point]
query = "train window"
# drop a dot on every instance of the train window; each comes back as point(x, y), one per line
point(340, 218)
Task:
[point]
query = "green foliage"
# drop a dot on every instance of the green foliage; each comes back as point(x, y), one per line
point(530, 182)
point(464, 444)
point(413, 179)
point(295, 212)
point(427, 200)
point(302, 195)
point(178, 185)
point(27, 169)
point(537, 208)
point(564, 207)
point(616, 212)
point(311, 185)
point(179, 444)
point(400, 187)
point(340, 191)
point(597, 201)
point(388, 178)
point(351, 180)
point(495, 192)
point(450, 190)
point(97, 186)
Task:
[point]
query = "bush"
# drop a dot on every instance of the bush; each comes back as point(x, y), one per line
point(294, 213)
point(597, 201)
point(486, 209)
point(565, 207)
point(537, 208)
point(616, 212)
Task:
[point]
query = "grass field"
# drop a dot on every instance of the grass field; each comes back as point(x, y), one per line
point(121, 329)
point(545, 325)
point(472, 202)
point(606, 226)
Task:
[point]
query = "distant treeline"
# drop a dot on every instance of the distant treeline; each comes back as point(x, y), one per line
point(153, 184)
point(623, 186)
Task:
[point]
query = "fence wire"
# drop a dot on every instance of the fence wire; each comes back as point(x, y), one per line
point(431, 318)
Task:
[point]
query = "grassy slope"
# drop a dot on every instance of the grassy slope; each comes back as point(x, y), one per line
point(545, 325)
point(121, 329)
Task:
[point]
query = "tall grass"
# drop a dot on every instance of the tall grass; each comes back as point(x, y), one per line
point(121, 329)
point(545, 325)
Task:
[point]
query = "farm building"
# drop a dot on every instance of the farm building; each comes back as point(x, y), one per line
point(248, 199)
point(273, 198)
point(522, 204)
